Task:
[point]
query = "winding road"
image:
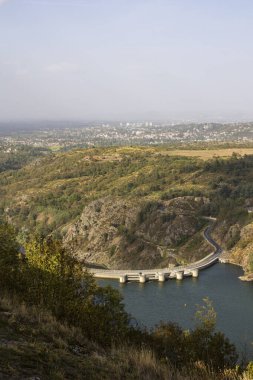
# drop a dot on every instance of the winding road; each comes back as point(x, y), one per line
point(162, 274)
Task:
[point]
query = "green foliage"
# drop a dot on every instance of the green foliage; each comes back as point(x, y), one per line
point(146, 211)
point(9, 256)
point(55, 191)
point(16, 158)
point(127, 233)
point(112, 250)
point(50, 278)
point(212, 348)
point(250, 262)
point(205, 315)
point(200, 344)
point(60, 284)
point(249, 370)
point(208, 345)
point(233, 240)
point(170, 343)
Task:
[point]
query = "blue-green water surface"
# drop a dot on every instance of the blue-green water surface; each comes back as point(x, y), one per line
point(176, 301)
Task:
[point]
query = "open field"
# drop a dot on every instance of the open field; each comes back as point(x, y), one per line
point(206, 154)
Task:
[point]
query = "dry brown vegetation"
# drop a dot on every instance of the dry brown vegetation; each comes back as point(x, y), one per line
point(33, 344)
point(207, 154)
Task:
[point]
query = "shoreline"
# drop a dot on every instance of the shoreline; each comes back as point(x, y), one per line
point(245, 277)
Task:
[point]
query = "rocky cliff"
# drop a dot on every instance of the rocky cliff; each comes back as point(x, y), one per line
point(242, 253)
point(120, 234)
point(237, 240)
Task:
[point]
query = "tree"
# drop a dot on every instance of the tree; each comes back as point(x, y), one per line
point(205, 315)
point(207, 345)
point(57, 281)
point(9, 256)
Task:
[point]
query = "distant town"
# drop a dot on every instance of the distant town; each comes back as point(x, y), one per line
point(66, 135)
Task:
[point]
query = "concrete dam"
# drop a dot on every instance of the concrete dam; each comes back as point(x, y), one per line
point(163, 274)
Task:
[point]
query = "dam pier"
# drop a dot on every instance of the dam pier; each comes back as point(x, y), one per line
point(159, 276)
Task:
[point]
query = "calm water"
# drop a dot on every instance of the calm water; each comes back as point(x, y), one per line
point(176, 301)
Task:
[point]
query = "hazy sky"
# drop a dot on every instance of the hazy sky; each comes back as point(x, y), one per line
point(126, 59)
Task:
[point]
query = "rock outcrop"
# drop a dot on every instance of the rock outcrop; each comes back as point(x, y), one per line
point(119, 234)
point(238, 243)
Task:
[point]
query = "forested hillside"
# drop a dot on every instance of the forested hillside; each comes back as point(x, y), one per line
point(16, 156)
point(132, 205)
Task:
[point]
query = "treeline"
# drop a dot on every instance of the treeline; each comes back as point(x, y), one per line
point(236, 165)
point(15, 158)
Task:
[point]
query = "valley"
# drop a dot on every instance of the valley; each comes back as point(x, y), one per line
point(135, 207)
point(126, 190)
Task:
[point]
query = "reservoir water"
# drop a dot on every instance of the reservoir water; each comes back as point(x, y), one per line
point(176, 301)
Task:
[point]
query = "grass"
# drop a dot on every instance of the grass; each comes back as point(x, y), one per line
point(55, 148)
point(207, 154)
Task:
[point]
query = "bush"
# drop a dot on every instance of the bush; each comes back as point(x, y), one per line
point(249, 370)
point(169, 342)
point(50, 278)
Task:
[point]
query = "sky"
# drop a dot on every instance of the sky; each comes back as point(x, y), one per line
point(126, 60)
